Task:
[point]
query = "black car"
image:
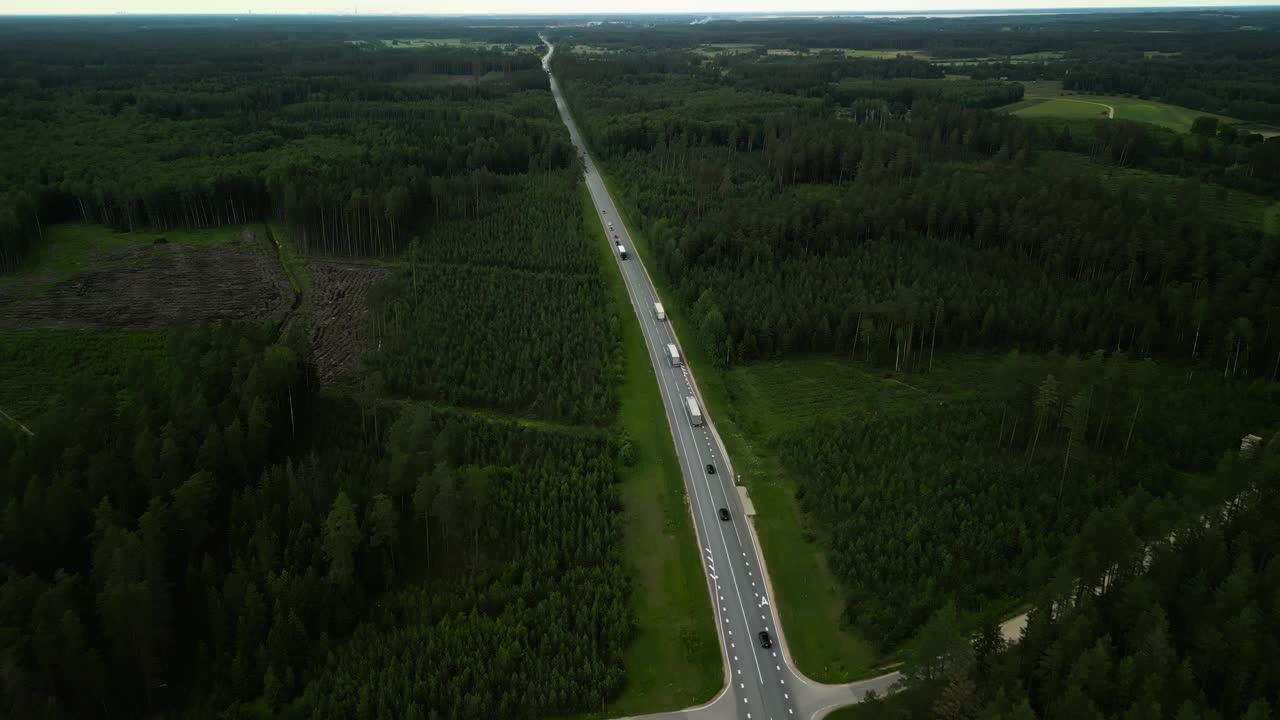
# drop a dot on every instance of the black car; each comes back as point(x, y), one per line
point(765, 641)
point(711, 469)
point(724, 514)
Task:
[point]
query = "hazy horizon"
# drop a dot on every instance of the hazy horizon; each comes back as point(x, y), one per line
point(579, 7)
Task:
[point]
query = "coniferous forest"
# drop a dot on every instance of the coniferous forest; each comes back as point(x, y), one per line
point(193, 523)
point(341, 138)
point(390, 487)
point(847, 189)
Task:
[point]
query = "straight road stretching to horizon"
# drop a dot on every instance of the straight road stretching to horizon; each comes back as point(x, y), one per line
point(761, 682)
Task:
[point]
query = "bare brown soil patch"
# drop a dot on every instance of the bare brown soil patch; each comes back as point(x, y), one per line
point(337, 313)
point(152, 286)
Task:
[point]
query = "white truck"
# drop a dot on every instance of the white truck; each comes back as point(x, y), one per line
point(673, 355)
point(659, 312)
point(695, 414)
point(622, 251)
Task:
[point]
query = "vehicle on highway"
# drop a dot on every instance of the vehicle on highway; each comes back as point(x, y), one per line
point(724, 514)
point(615, 236)
point(622, 251)
point(659, 312)
point(766, 642)
point(695, 414)
point(673, 354)
point(711, 469)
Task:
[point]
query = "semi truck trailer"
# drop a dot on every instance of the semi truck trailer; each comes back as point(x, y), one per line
point(695, 413)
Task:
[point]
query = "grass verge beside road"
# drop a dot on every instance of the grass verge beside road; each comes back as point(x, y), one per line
point(806, 594)
point(899, 706)
point(674, 659)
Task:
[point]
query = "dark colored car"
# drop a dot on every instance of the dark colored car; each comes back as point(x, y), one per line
point(765, 640)
point(711, 469)
point(724, 514)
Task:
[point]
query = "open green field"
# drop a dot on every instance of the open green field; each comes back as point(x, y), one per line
point(783, 397)
point(591, 50)
point(674, 659)
point(1046, 98)
point(1038, 56)
point(71, 248)
point(411, 42)
point(885, 54)
point(712, 49)
point(1226, 206)
point(39, 366)
point(808, 597)
point(1064, 108)
point(1011, 59)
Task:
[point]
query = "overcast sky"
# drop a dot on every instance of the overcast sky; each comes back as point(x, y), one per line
point(371, 7)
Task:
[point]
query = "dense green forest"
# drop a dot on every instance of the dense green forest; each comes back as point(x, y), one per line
point(1158, 612)
point(503, 311)
point(343, 141)
point(193, 525)
point(796, 200)
point(1223, 63)
point(970, 503)
point(220, 529)
point(868, 230)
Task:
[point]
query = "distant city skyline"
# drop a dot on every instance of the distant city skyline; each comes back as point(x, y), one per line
point(575, 7)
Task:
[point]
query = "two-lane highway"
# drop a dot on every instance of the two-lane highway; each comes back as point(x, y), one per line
point(760, 683)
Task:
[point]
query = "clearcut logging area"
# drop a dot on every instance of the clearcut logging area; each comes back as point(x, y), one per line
point(336, 312)
point(147, 286)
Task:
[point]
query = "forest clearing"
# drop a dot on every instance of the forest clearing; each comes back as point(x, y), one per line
point(335, 311)
point(137, 286)
point(1047, 98)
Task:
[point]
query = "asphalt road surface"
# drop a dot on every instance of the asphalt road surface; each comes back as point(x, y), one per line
point(761, 684)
